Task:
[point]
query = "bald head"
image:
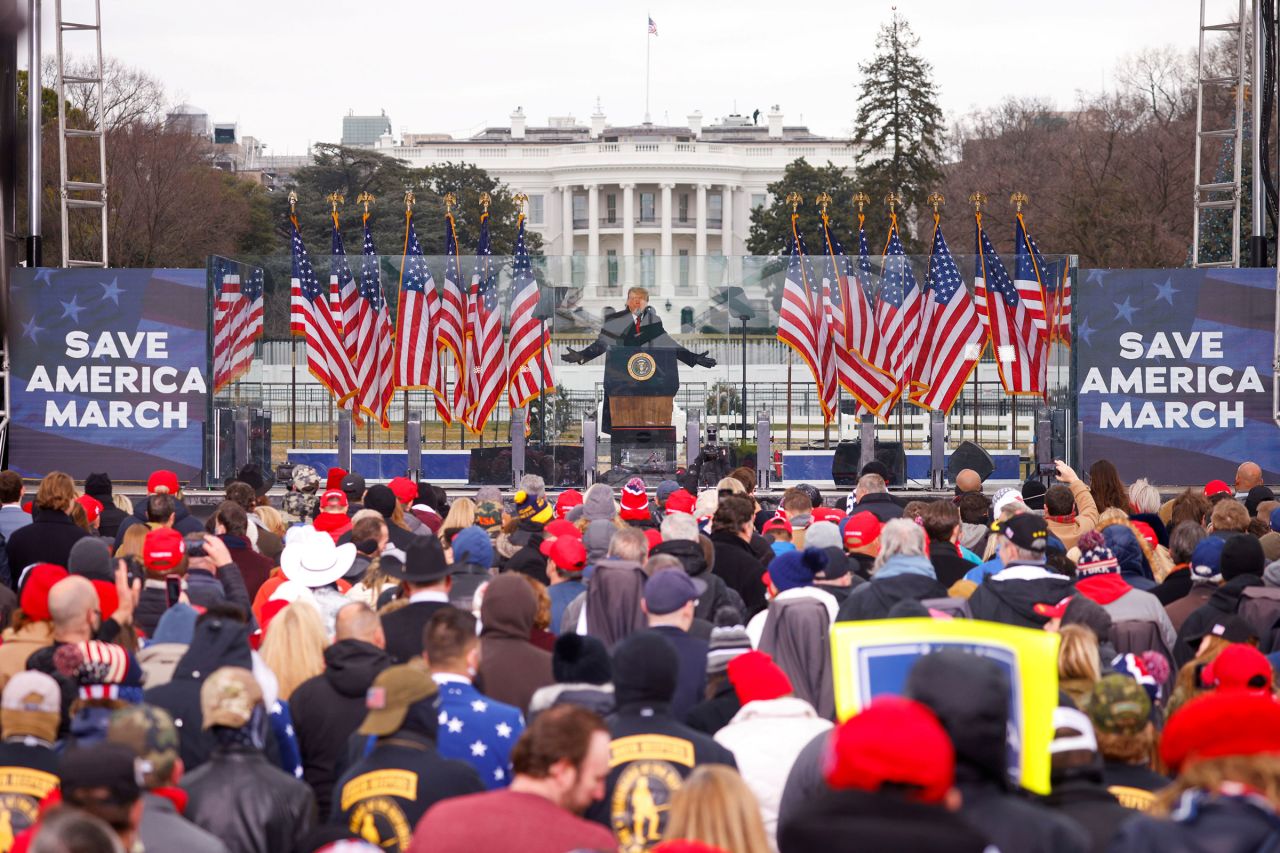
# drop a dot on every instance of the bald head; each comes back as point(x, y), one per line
point(72, 603)
point(1248, 475)
point(357, 621)
point(968, 481)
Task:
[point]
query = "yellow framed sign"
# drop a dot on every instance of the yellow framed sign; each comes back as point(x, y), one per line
point(874, 657)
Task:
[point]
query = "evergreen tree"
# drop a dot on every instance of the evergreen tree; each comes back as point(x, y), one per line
point(899, 127)
point(771, 226)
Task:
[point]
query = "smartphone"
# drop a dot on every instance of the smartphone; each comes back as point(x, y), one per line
point(172, 589)
point(195, 544)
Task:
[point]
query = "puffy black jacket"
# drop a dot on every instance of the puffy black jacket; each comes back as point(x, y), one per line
point(249, 804)
point(693, 559)
point(970, 696)
point(1224, 602)
point(740, 569)
point(216, 643)
point(947, 563)
point(1013, 601)
point(47, 539)
point(1080, 794)
point(1219, 824)
point(874, 600)
point(328, 708)
point(880, 504)
point(853, 821)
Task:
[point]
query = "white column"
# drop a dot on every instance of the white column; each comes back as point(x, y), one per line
point(727, 243)
point(629, 236)
point(566, 235)
point(700, 240)
point(665, 278)
point(593, 235)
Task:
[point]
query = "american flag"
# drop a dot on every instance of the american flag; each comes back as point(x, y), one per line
point(342, 290)
point(898, 311)
point(1026, 278)
point(653, 28)
point(846, 312)
point(369, 338)
point(799, 315)
point(326, 358)
point(416, 358)
point(1057, 291)
point(452, 318)
point(297, 309)
point(1014, 340)
point(486, 352)
point(252, 289)
point(953, 337)
point(529, 339)
point(229, 317)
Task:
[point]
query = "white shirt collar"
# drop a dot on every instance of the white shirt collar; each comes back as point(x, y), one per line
point(429, 595)
point(449, 678)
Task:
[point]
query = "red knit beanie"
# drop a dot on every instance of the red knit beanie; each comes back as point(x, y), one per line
point(892, 741)
point(755, 677)
point(1222, 723)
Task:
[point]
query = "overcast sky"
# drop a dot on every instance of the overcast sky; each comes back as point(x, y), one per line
point(287, 72)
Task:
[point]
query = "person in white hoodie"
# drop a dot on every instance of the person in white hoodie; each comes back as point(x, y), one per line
point(768, 732)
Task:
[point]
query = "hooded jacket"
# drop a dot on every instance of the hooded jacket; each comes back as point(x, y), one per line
point(183, 521)
point(47, 539)
point(1012, 600)
point(1202, 822)
point(1224, 602)
point(1134, 566)
point(974, 536)
point(880, 504)
point(1079, 793)
point(611, 602)
point(948, 563)
point(740, 568)
point(1126, 604)
point(217, 643)
point(527, 559)
point(852, 821)
point(900, 577)
point(694, 560)
point(797, 634)
point(328, 708)
point(511, 667)
point(249, 804)
point(970, 696)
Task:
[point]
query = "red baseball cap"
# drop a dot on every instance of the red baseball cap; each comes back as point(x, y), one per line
point(334, 496)
point(561, 527)
point(167, 479)
point(163, 550)
point(681, 501)
point(1146, 531)
point(92, 507)
point(1053, 611)
point(567, 501)
point(1216, 487)
point(1221, 723)
point(405, 490)
point(567, 552)
point(892, 741)
point(35, 590)
point(778, 522)
point(861, 529)
point(1240, 667)
point(827, 513)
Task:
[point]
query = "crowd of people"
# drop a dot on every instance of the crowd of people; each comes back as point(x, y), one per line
point(366, 667)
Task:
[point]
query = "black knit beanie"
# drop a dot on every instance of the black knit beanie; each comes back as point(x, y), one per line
point(644, 669)
point(1242, 555)
point(577, 659)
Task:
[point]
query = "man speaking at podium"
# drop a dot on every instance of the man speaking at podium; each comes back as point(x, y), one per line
point(627, 335)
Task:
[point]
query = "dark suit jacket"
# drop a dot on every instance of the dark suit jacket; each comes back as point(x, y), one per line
point(403, 628)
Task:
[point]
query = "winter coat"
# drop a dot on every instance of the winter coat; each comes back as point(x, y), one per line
point(11, 518)
point(163, 828)
point(880, 504)
point(852, 821)
point(1134, 565)
point(254, 568)
point(1224, 602)
point(740, 569)
point(1080, 794)
point(597, 698)
point(249, 804)
point(691, 676)
point(527, 558)
point(711, 715)
point(159, 661)
point(205, 588)
point(403, 629)
point(765, 737)
point(110, 519)
point(694, 560)
point(974, 536)
point(183, 521)
point(1195, 598)
point(1070, 528)
point(1175, 586)
point(216, 643)
point(328, 708)
point(1125, 603)
point(17, 646)
point(1200, 823)
point(47, 539)
point(797, 635)
point(970, 697)
point(511, 668)
point(900, 578)
point(1010, 595)
point(948, 564)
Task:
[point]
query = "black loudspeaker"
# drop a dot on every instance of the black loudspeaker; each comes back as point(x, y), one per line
point(490, 466)
point(891, 454)
point(970, 455)
point(645, 450)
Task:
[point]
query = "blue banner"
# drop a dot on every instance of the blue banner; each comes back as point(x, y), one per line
point(108, 372)
point(1174, 372)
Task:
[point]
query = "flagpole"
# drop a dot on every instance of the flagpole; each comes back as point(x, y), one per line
point(648, 38)
point(978, 199)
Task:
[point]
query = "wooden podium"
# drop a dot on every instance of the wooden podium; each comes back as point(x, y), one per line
point(640, 411)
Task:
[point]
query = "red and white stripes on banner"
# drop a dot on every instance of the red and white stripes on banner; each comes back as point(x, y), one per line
point(897, 313)
point(799, 315)
point(229, 317)
point(528, 342)
point(416, 356)
point(952, 337)
point(326, 357)
point(1026, 277)
point(486, 352)
point(369, 337)
point(451, 325)
point(1014, 340)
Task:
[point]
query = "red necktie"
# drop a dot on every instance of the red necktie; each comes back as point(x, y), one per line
point(637, 324)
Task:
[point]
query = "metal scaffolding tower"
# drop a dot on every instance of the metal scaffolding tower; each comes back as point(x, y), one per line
point(1221, 192)
point(87, 194)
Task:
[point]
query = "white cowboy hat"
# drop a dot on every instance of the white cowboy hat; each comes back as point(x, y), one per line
point(313, 560)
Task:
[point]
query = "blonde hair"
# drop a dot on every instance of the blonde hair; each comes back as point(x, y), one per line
point(731, 484)
point(122, 503)
point(271, 517)
point(716, 807)
point(1078, 655)
point(294, 645)
point(80, 516)
point(1259, 772)
point(707, 504)
point(131, 542)
point(57, 491)
point(462, 514)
